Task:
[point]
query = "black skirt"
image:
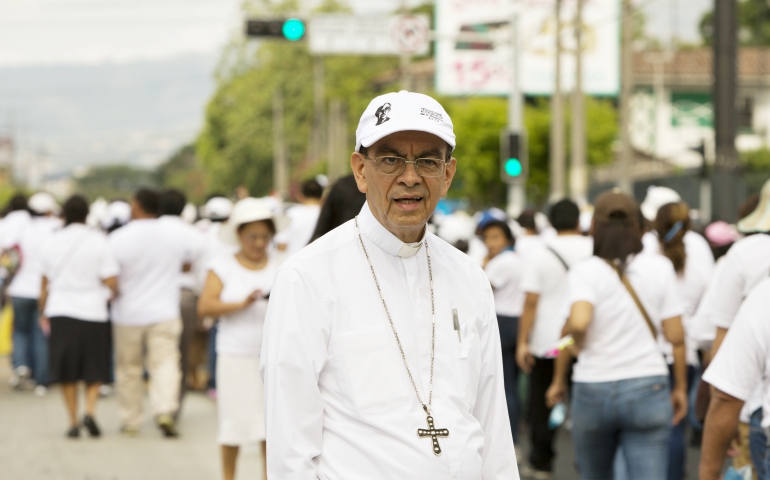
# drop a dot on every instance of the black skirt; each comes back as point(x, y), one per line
point(79, 350)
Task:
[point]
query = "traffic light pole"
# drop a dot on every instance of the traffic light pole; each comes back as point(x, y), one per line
point(516, 191)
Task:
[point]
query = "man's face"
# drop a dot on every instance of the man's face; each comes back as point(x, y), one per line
point(403, 203)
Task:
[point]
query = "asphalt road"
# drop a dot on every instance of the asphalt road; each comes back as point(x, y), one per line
point(33, 445)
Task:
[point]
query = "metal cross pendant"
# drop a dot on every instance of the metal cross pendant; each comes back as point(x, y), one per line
point(433, 434)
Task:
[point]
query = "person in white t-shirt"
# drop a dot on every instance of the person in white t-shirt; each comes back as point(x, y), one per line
point(28, 233)
point(236, 291)
point(503, 267)
point(171, 205)
point(530, 240)
point(746, 264)
point(742, 363)
point(79, 277)
point(545, 283)
point(303, 219)
point(619, 299)
point(146, 317)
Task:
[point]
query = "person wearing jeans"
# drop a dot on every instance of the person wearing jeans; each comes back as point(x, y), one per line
point(619, 299)
point(27, 231)
point(545, 282)
point(30, 346)
point(503, 268)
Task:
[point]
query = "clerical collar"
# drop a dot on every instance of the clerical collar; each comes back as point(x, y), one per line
point(383, 238)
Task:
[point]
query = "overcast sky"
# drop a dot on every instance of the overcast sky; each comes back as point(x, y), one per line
point(45, 32)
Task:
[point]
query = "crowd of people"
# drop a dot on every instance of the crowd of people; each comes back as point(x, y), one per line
point(644, 322)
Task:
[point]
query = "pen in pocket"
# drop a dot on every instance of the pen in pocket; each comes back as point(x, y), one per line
point(456, 321)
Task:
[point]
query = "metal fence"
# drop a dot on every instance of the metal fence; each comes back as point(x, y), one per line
point(727, 192)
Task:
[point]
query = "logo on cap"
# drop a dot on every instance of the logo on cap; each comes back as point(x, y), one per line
point(435, 116)
point(382, 114)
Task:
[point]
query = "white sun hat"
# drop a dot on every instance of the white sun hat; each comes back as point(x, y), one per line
point(42, 203)
point(249, 210)
point(656, 198)
point(758, 221)
point(403, 111)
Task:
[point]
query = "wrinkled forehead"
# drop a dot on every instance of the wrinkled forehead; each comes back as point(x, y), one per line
point(411, 143)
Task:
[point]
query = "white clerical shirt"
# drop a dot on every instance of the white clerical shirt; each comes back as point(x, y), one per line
point(339, 404)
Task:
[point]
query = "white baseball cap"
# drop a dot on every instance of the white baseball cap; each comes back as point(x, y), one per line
point(656, 198)
point(217, 208)
point(403, 111)
point(250, 210)
point(42, 203)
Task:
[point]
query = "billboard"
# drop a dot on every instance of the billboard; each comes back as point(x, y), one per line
point(474, 40)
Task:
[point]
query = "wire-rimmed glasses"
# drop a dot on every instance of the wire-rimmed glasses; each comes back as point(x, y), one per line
point(393, 165)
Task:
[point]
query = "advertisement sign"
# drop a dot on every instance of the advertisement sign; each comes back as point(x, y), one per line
point(474, 41)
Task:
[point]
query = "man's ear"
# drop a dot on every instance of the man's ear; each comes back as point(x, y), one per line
point(358, 164)
point(451, 169)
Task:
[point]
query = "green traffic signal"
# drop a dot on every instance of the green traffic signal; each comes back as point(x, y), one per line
point(293, 29)
point(513, 167)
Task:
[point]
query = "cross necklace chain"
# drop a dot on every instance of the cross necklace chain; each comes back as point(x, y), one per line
point(431, 432)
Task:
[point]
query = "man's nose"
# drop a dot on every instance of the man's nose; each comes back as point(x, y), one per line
point(410, 176)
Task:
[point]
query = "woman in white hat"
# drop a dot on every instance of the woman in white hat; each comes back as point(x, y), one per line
point(236, 291)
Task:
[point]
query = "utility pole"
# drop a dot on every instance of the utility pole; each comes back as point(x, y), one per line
point(725, 80)
point(516, 191)
point(556, 146)
point(626, 84)
point(578, 171)
point(319, 104)
point(406, 59)
point(280, 160)
point(338, 152)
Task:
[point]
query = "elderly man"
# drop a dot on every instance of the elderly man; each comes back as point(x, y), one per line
point(381, 355)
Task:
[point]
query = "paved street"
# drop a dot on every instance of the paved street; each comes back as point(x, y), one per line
point(33, 446)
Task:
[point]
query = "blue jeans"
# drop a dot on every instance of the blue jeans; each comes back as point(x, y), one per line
point(30, 346)
point(760, 451)
point(509, 330)
point(634, 415)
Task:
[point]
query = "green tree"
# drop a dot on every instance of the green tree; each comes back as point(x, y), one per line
point(478, 122)
point(236, 144)
point(182, 171)
point(753, 24)
point(114, 181)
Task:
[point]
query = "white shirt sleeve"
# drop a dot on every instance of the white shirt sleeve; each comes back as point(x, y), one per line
point(580, 286)
point(728, 292)
point(739, 365)
point(491, 408)
point(294, 352)
point(499, 273)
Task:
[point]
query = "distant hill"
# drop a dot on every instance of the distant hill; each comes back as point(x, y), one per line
point(137, 112)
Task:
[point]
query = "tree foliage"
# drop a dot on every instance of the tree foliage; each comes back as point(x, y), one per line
point(114, 182)
point(753, 24)
point(235, 146)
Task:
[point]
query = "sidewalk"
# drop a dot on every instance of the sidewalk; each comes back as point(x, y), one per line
point(33, 444)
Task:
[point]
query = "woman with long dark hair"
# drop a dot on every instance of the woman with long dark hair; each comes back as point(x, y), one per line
point(619, 300)
point(79, 276)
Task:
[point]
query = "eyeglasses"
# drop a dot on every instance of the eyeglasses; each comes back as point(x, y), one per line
point(425, 167)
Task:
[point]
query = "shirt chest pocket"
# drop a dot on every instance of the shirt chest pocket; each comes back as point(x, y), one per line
point(376, 371)
point(466, 356)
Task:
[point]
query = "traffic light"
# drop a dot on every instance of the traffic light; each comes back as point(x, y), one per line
point(292, 29)
point(514, 165)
